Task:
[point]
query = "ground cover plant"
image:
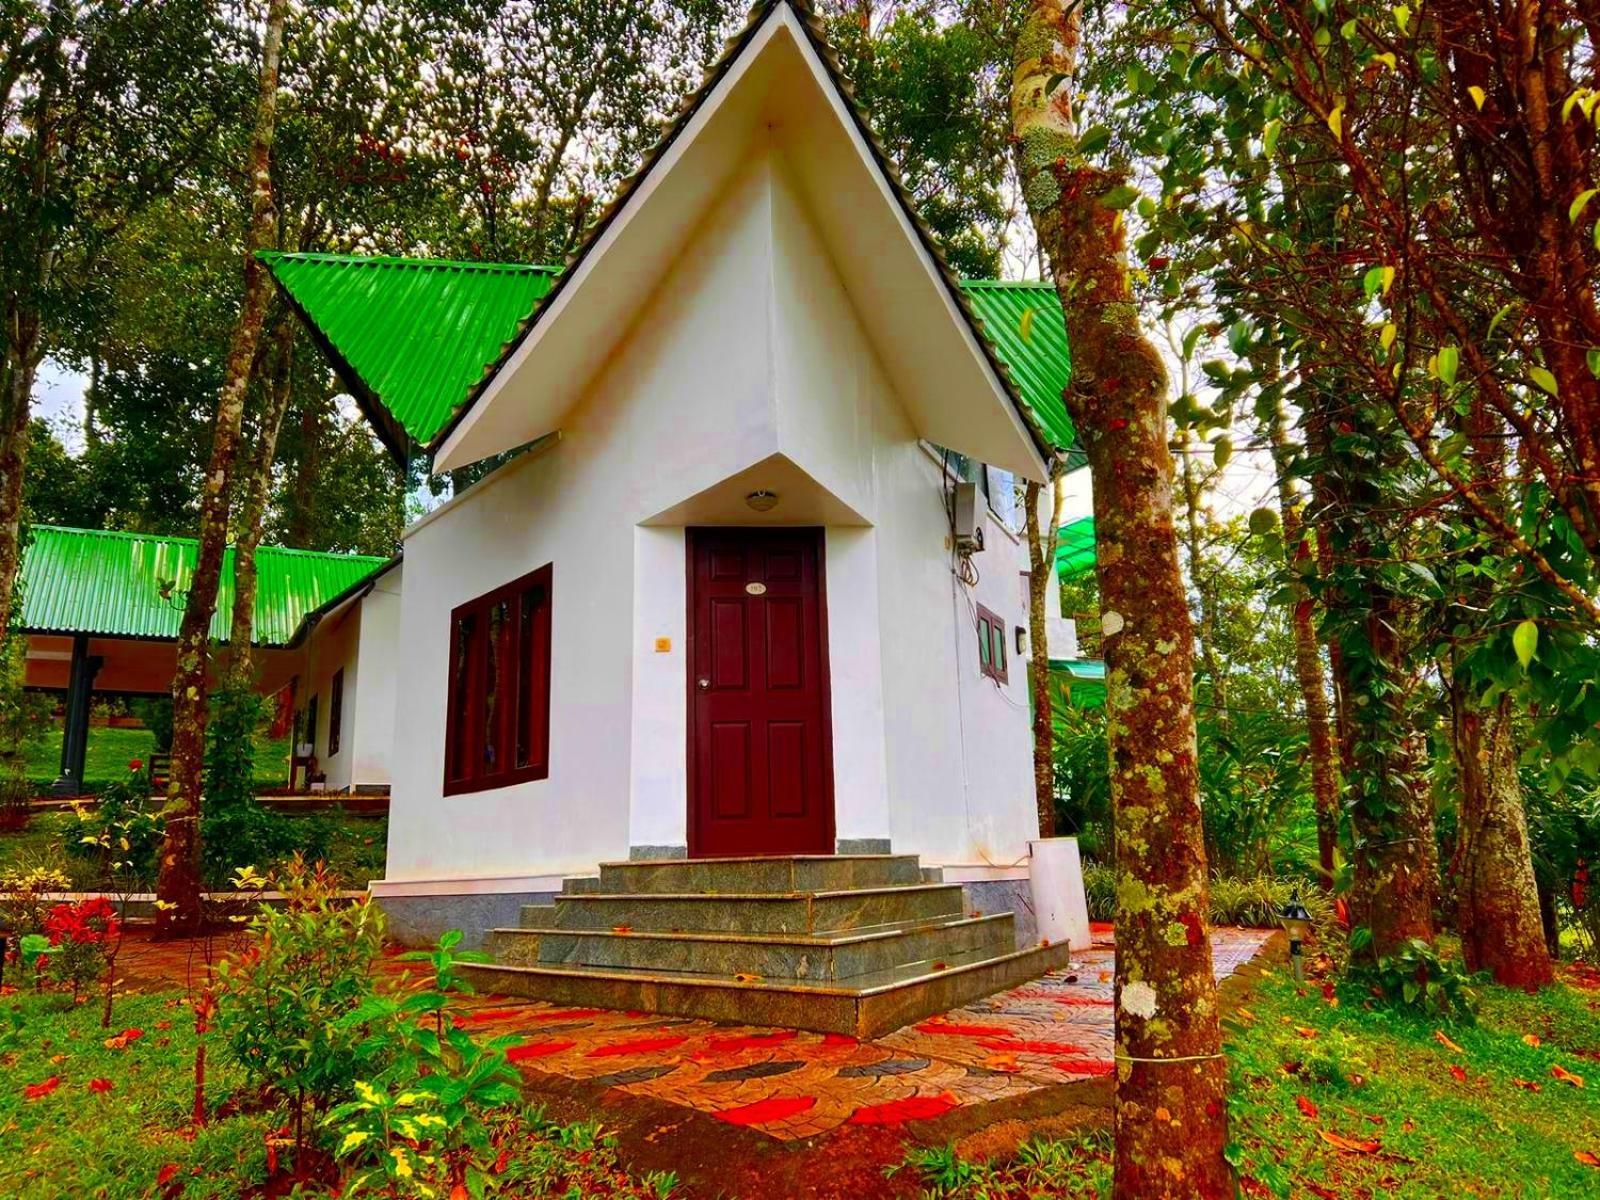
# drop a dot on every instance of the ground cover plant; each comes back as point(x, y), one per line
point(111, 748)
point(297, 1068)
point(1334, 1094)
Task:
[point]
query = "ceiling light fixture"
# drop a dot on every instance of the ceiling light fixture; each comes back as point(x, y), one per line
point(762, 501)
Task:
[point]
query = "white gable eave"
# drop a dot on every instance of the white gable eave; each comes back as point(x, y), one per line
point(774, 96)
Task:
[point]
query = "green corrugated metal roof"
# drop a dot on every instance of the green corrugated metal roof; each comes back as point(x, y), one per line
point(1075, 548)
point(101, 582)
point(411, 337)
point(1025, 325)
point(1081, 682)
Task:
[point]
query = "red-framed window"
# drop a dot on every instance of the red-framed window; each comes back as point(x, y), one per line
point(992, 645)
point(497, 727)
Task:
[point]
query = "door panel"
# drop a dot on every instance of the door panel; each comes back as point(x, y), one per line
point(760, 761)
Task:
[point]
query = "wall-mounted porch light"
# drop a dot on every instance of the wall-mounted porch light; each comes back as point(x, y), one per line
point(762, 501)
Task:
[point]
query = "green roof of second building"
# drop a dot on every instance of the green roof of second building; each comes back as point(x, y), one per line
point(412, 337)
point(115, 584)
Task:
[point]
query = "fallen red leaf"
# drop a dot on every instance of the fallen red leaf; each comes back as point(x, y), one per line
point(1320, 1192)
point(121, 1040)
point(1532, 1039)
point(36, 1091)
point(1565, 1076)
point(100, 1085)
point(1587, 1157)
point(1304, 1032)
point(1438, 1036)
point(1306, 1107)
point(1527, 1085)
point(1349, 1145)
point(1459, 1074)
point(165, 1175)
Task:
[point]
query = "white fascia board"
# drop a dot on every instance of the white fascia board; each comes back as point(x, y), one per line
point(936, 277)
point(446, 457)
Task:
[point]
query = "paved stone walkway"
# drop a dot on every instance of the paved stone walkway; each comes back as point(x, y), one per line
point(792, 1085)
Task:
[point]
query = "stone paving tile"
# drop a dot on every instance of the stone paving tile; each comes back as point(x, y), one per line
point(793, 1084)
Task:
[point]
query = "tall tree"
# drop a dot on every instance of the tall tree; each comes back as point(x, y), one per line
point(1171, 1126)
point(101, 106)
point(178, 886)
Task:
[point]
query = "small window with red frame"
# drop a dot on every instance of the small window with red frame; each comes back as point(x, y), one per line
point(497, 724)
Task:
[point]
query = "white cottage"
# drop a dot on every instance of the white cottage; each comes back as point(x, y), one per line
point(724, 602)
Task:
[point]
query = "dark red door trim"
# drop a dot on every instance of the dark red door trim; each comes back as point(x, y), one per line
point(826, 827)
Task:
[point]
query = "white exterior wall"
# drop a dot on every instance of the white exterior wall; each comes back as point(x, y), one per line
point(335, 644)
point(748, 349)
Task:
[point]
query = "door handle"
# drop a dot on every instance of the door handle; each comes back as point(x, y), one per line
point(705, 684)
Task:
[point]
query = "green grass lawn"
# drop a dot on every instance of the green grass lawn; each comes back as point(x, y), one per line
point(79, 1117)
point(355, 846)
point(111, 750)
point(1333, 1098)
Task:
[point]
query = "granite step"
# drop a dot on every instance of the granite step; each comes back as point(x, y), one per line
point(790, 873)
point(537, 916)
point(864, 1006)
point(760, 912)
point(834, 956)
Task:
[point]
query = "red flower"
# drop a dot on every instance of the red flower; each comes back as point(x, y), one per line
point(136, 765)
point(100, 1085)
point(35, 1091)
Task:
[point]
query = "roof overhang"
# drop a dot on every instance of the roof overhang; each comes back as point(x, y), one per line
point(773, 85)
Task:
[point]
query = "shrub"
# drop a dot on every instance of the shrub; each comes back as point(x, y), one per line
point(24, 896)
point(81, 936)
point(282, 1002)
point(1416, 977)
point(1252, 902)
point(121, 834)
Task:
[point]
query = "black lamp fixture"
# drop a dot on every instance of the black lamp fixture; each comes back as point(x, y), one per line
point(1297, 923)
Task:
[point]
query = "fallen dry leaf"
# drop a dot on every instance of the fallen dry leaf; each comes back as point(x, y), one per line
point(37, 1091)
point(1457, 1072)
point(1587, 1157)
point(1565, 1076)
point(1438, 1036)
point(1349, 1145)
point(743, 978)
point(1305, 1106)
point(1532, 1039)
point(1320, 1192)
point(1527, 1085)
point(1305, 1032)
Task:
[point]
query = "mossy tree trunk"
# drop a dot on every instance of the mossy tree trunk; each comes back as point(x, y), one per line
point(255, 490)
point(179, 881)
point(1497, 900)
point(1171, 1124)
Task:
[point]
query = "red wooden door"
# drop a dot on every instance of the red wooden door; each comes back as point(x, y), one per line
point(760, 754)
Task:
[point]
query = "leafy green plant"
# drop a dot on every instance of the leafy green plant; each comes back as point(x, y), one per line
point(120, 835)
point(1417, 977)
point(283, 1001)
point(940, 1167)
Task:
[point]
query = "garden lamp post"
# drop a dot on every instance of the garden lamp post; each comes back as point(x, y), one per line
point(1297, 923)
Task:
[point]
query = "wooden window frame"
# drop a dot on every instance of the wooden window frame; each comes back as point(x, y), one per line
point(311, 724)
point(335, 711)
point(995, 664)
point(523, 664)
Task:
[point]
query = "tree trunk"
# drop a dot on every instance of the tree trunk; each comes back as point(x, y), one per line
point(1171, 1119)
point(21, 367)
point(1041, 575)
point(1308, 661)
point(255, 488)
point(1498, 902)
point(178, 887)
